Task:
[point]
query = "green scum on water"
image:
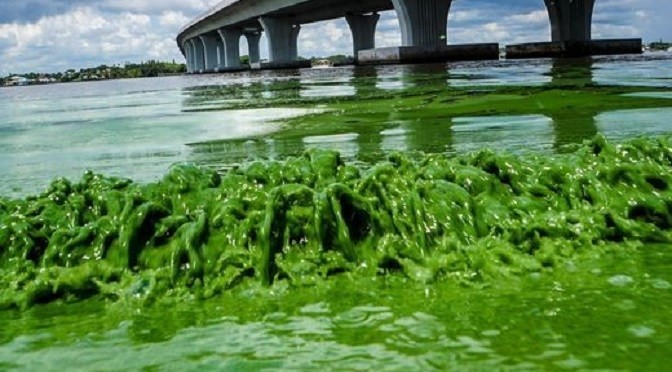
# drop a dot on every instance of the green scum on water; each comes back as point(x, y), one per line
point(469, 219)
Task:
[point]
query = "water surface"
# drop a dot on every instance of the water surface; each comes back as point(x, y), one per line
point(138, 128)
point(592, 315)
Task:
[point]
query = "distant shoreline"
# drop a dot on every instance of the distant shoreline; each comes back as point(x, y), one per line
point(99, 73)
point(85, 81)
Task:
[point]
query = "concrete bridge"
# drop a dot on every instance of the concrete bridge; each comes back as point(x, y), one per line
point(211, 41)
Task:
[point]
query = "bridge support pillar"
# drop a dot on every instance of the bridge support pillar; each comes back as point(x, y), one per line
point(231, 40)
point(253, 38)
point(189, 57)
point(210, 52)
point(363, 28)
point(282, 34)
point(422, 22)
point(199, 59)
point(571, 20)
point(221, 53)
point(193, 58)
point(424, 30)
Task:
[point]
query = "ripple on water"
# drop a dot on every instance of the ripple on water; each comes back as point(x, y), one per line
point(491, 333)
point(626, 305)
point(344, 143)
point(620, 280)
point(419, 327)
point(641, 331)
point(315, 309)
point(651, 94)
point(658, 283)
point(363, 317)
point(570, 363)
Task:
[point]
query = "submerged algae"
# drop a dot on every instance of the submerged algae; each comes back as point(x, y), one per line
point(471, 219)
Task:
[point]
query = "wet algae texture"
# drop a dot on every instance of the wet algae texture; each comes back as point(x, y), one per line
point(470, 219)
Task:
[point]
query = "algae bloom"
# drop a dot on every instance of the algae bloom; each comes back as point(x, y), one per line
point(471, 219)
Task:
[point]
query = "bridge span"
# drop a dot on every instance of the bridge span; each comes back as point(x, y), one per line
point(210, 42)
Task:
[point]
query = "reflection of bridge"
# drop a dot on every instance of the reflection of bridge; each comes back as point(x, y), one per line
point(370, 136)
point(211, 41)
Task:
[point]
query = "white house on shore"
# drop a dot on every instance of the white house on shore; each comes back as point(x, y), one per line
point(16, 81)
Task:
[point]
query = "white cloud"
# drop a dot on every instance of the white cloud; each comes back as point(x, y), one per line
point(465, 15)
point(173, 19)
point(153, 6)
point(325, 38)
point(86, 36)
point(537, 16)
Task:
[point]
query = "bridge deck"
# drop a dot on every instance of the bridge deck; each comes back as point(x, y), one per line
point(245, 13)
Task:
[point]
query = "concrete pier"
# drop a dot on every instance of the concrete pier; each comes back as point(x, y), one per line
point(199, 59)
point(429, 53)
point(424, 34)
point(221, 54)
point(363, 28)
point(253, 38)
point(422, 22)
point(189, 56)
point(231, 41)
point(282, 34)
point(211, 54)
point(562, 49)
point(571, 20)
point(288, 65)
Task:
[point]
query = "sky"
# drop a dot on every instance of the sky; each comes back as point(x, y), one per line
point(56, 35)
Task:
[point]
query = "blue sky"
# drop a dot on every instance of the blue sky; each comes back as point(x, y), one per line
point(54, 35)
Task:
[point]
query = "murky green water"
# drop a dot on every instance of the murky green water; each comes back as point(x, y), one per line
point(611, 311)
point(616, 319)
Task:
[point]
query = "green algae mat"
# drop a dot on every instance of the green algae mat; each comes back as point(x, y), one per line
point(470, 219)
point(484, 260)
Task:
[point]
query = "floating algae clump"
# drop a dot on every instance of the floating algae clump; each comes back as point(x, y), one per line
point(471, 218)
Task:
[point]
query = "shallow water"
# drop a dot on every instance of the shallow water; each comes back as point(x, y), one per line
point(138, 128)
point(609, 314)
point(601, 319)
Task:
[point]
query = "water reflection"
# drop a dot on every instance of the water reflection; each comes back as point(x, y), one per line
point(248, 94)
point(573, 130)
point(362, 138)
point(620, 125)
point(435, 75)
point(497, 73)
point(138, 128)
point(503, 133)
point(649, 70)
point(364, 80)
point(556, 131)
point(572, 126)
point(571, 72)
point(403, 131)
point(370, 136)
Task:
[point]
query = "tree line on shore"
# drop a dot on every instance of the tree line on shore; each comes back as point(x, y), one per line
point(660, 45)
point(103, 72)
